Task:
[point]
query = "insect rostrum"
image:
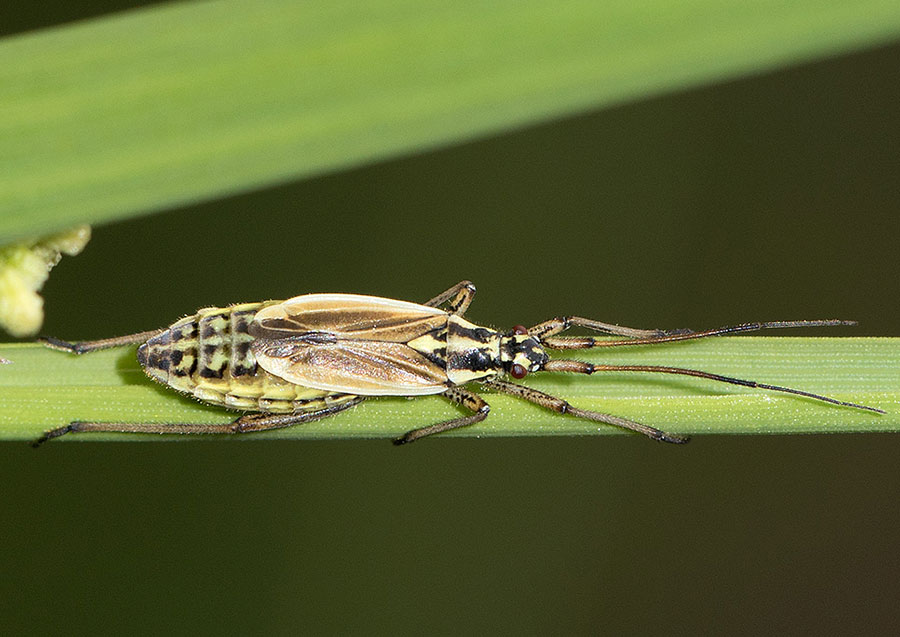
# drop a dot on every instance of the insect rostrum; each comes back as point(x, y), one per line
point(290, 362)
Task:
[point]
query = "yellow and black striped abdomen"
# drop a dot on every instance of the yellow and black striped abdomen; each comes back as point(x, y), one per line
point(208, 355)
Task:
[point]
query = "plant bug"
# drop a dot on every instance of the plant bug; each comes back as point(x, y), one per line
point(290, 362)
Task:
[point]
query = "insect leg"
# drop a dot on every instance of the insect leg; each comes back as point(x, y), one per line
point(82, 347)
point(244, 424)
point(584, 342)
point(264, 422)
point(460, 396)
point(461, 294)
point(581, 367)
point(562, 323)
point(561, 406)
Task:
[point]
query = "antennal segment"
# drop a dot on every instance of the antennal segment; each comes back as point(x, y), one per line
point(587, 342)
point(581, 367)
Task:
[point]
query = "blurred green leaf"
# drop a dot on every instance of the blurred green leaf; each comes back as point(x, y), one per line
point(42, 389)
point(150, 109)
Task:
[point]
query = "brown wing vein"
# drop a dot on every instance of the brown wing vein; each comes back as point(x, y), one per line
point(396, 330)
point(367, 368)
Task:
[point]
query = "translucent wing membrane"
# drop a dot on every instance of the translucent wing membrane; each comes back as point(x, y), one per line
point(367, 368)
point(353, 316)
point(351, 343)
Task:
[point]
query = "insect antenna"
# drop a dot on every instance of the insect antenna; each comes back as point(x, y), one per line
point(586, 342)
point(582, 367)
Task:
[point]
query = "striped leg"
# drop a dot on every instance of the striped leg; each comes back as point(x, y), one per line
point(560, 324)
point(461, 397)
point(561, 406)
point(245, 424)
point(461, 294)
point(82, 347)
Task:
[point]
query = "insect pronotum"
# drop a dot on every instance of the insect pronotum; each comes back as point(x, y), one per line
point(295, 361)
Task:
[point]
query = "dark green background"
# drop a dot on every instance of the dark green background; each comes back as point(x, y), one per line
point(767, 197)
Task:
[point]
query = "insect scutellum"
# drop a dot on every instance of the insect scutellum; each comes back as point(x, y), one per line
point(294, 361)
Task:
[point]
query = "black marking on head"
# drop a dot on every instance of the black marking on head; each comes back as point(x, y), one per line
point(142, 355)
point(176, 356)
point(516, 350)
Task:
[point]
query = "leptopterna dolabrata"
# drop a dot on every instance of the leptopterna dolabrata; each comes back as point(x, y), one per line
point(295, 361)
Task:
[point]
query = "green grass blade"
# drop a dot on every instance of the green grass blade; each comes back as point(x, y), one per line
point(149, 109)
point(42, 389)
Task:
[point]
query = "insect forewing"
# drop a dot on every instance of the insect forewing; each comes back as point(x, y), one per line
point(352, 344)
point(368, 318)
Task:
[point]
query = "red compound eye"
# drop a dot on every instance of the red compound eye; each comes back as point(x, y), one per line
point(518, 371)
point(520, 330)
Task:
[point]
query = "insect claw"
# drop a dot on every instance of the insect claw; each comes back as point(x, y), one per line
point(58, 344)
point(54, 433)
point(672, 438)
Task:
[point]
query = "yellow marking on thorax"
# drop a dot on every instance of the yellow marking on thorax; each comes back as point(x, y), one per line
point(473, 352)
point(427, 344)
